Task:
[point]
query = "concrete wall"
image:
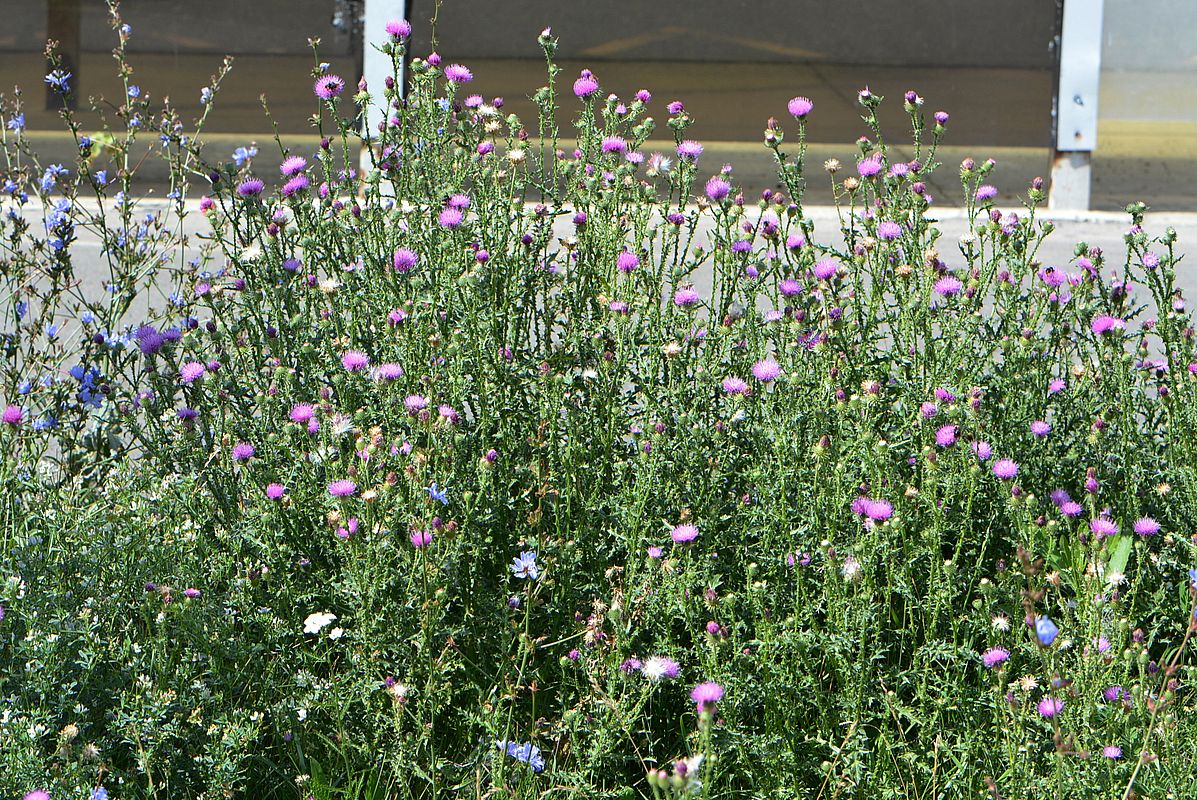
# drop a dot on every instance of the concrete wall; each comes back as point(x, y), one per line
point(1156, 35)
point(195, 26)
point(977, 33)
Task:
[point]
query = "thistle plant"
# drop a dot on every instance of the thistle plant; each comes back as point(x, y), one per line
point(507, 464)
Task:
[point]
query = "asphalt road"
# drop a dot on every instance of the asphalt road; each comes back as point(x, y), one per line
point(1101, 229)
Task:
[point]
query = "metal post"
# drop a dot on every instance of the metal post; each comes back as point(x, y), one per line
point(1076, 104)
point(377, 66)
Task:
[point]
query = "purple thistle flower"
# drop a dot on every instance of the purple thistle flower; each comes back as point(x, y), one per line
point(342, 488)
point(349, 529)
point(420, 539)
point(1055, 386)
point(275, 491)
point(986, 192)
point(685, 297)
point(947, 286)
point(878, 510)
point(328, 86)
point(1071, 509)
point(870, 166)
point(689, 149)
point(717, 189)
point(889, 230)
point(631, 665)
point(1059, 497)
point(627, 262)
point(684, 533)
point(946, 436)
point(295, 185)
point(994, 656)
point(614, 144)
point(825, 268)
point(1005, 469)
point(405, 259)
point(398, 28)
point(250, 188)
point(149, 339)
point(415, 403)
point(1050, 707)
point(450, 218)
point(1103, 527)
point(982, 450)
point(734, 385)
point(706, 695)
point(355, 361)
point(293, 166)
point(1040, 428)
point(458, 73)
point(789, 287)
point(388, 372)
point(1146, 526)
point(586, 84)
point(766, 370)
point(799, 107)
point(191, 371)
point(1111, 751)
point(13, 415)
point(302, 412)
point(243, 451)
point(1105, 323)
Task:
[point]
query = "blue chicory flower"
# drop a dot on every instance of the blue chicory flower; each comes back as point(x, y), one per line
point(1046, 630)
point(525, 566)
point(243, 154)
point(526, 752)
point(57, 80)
